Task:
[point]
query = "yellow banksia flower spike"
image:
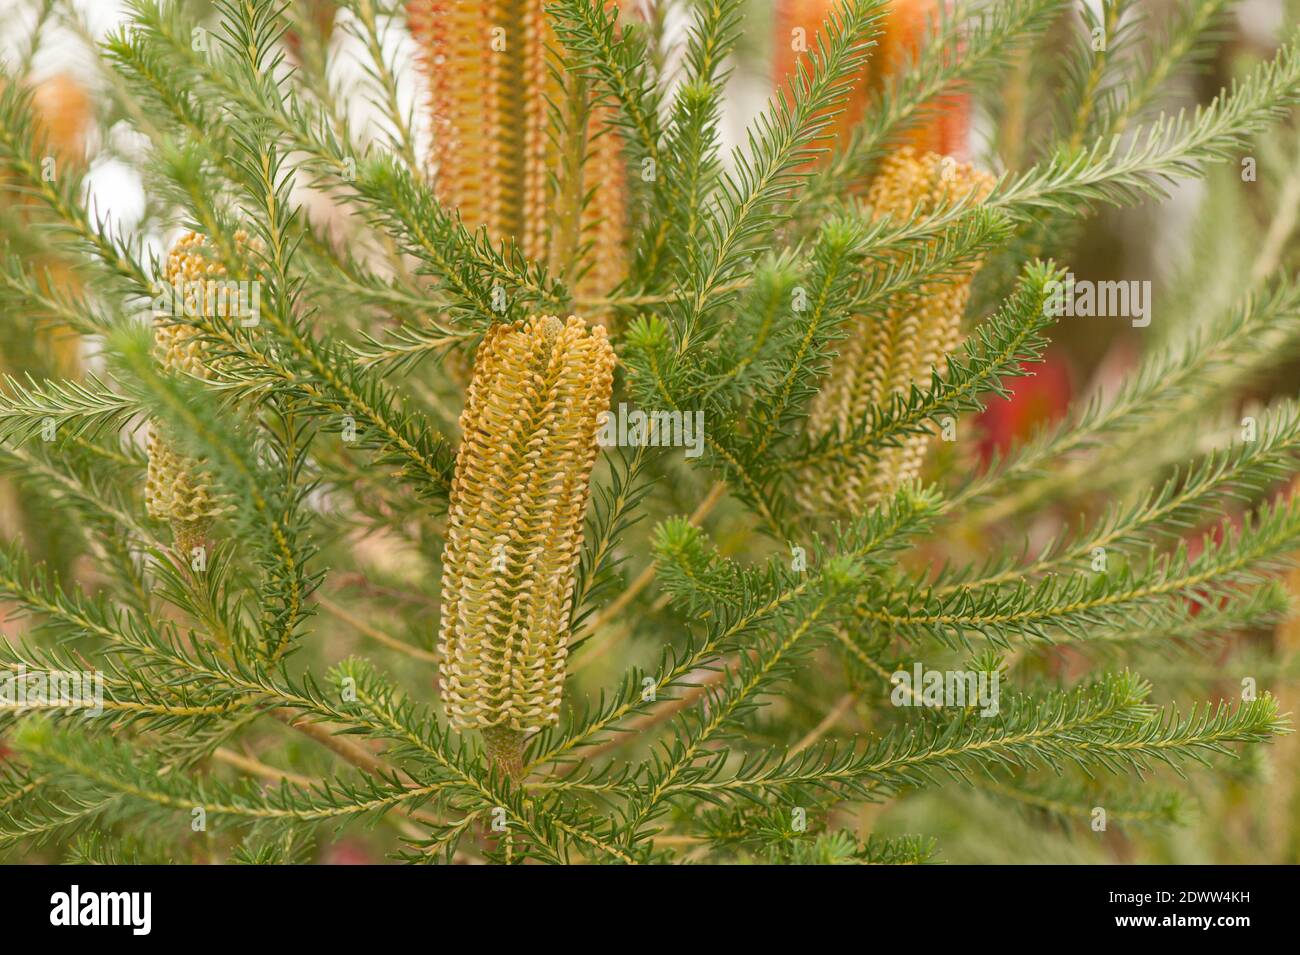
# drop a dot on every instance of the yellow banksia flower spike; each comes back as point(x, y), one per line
point(175, 491)
point(491, 77)
point(515, 524)
point(883, 358)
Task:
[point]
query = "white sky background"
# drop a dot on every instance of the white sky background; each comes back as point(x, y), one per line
point(115, 188)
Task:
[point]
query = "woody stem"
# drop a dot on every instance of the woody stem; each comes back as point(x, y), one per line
point(505, 749)
point(188, 535)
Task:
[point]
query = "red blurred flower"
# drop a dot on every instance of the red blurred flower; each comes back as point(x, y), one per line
point(1038, 399)
point(349, 852)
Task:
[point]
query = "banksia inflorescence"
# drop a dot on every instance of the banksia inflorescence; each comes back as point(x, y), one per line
point(65, 113)
point(175, 491)
point(492, 80)
point(64, 118)
point(515, 525)
point(902, 32)
point(883, 358)
point(605, 215)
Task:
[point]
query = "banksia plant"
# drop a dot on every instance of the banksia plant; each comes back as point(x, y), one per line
point(707, 552)
point(939, 126)
point(176, 491)
point(882, 360)
point(514, 529)
point(64, 114)
point(552, 183)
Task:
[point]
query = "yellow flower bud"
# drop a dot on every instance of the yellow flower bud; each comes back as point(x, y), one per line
point(515, 522)
point(175, 490)
point(882, 358)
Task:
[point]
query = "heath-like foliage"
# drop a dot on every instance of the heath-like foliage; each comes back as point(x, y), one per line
point(446, 610)
point(175, 490)
point(883, 358)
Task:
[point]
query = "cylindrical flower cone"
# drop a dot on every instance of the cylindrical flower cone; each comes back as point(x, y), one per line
point(903, 30)
point(605, 216)
point(515, 524)
point(491, 76)
point(175, 489)
point(882, 358)
point(64, 117)
point(64, 114)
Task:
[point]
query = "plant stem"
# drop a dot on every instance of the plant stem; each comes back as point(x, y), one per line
point(374, 633)
point(188, 535)
point(505, 749)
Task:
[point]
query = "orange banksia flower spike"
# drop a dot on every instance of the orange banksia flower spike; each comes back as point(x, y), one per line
point(902, 31)
point(491, 77)
point(946, 127)
point(64, 114)
point(798, 25)
point(515, 524)
point(605, 217)
point(64, 120)
point(885, 357)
